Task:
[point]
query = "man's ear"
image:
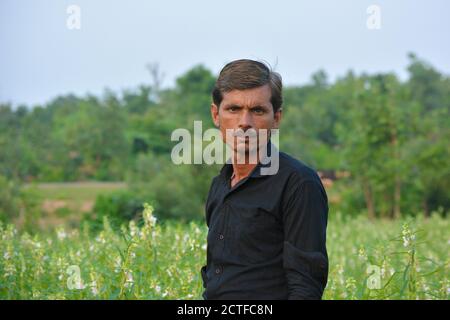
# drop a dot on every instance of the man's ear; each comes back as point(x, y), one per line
point(215, 114)
point(277, 117)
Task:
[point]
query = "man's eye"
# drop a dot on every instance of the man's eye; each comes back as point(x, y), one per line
point(258, 111)
point(233, 109)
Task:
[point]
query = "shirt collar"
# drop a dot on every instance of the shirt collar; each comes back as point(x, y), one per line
point(227, 169)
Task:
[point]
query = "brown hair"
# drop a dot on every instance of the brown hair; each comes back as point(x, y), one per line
point(246, 74)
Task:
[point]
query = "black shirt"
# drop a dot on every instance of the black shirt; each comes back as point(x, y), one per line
point(266, 235)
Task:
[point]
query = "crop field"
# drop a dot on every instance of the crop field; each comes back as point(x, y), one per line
point(383, 259)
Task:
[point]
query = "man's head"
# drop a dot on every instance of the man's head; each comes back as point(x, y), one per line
point(247, 95)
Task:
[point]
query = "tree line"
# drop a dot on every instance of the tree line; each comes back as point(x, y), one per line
point(390, 136)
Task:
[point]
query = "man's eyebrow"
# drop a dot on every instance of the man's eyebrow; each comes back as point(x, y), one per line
point(258, 106)
point(231, 105)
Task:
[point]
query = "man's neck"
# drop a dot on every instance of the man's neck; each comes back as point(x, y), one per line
point(242, 170)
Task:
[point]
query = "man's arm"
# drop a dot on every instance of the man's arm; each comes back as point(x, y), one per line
point(305, 212)
point(208, 211)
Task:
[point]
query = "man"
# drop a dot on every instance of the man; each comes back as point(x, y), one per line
point(267, 232)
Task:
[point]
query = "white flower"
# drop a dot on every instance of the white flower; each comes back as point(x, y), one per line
point(362, 253)
point(405, 242)
point(158, 289)
point(148, 216)
point(133, 229)
point(94, 288)
point(408, 237)
point(100, 238)
point(9, 270)
point(129, 278)
point(340, 270)
point(61, 234)
point(118, 264)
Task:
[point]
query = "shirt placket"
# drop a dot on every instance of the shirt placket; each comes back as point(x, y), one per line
point(221, 238)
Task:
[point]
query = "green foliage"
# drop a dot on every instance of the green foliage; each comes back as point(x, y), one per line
point(118, 206)
point(390, 136)
point(19, 205)
point(163, 261)
point(178, 191)
point(9, 199)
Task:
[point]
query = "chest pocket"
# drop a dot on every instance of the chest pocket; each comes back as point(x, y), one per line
point(258, 234)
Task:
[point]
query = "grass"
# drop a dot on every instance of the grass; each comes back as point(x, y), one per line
point(66, 202)
point(76, 191)
point(384, 259)
point(72, 195)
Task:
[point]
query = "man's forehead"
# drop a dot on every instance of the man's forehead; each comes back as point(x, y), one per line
point(248, 97)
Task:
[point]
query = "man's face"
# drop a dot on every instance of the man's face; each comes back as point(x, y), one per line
point(245, 109)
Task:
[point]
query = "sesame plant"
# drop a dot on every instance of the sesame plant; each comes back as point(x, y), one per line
point(383, 259)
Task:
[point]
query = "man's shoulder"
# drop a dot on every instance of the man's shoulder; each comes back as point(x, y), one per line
point(296, 169)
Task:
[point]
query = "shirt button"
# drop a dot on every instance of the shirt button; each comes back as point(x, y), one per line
point(221, 237)
point(217, 270)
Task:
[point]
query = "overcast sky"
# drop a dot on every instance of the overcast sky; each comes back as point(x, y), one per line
point(40, 57)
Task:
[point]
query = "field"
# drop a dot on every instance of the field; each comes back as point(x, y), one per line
point(404, 259)
point(65, 202)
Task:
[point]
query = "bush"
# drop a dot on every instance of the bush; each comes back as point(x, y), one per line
point(119, 206)
point(179, 191)
point(9, 199)
point(349, 198)
point(19, 205)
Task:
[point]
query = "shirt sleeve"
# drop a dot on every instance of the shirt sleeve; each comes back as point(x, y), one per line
point(305, 260)
point(204, 268)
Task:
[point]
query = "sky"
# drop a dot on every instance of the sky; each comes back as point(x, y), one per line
point(41, 58)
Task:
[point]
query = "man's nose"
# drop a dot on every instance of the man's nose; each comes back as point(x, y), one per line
point(245, 120)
